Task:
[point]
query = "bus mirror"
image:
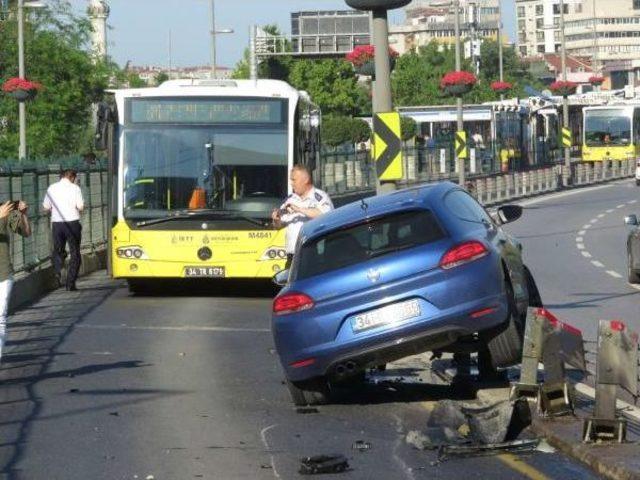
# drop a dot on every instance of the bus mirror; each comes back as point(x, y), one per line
point(281, 278)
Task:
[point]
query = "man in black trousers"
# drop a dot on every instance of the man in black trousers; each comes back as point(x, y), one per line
point(64, 201)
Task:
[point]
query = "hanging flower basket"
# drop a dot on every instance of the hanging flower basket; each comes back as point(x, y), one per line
point(563, 88)
point(501, 87)
point(596, 80)
point(363, 59)
point(458, 83)
point(21, 89)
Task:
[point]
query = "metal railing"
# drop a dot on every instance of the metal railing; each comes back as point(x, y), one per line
point(29, 183)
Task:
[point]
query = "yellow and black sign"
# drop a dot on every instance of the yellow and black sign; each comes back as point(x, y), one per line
point(387, 145)
point(461, 144)
point(566, 137)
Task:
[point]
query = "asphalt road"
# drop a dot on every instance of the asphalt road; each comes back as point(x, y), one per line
point(102, 385)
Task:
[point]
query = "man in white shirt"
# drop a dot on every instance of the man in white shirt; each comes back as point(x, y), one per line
point(64, 201)
point(305, 203)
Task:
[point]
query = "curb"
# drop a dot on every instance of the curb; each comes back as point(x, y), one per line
point(30, 286)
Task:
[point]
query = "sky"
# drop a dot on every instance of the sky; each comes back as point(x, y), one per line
point(139, 30)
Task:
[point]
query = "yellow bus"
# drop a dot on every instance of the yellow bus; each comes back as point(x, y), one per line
point(611, 132)
point(197, 168)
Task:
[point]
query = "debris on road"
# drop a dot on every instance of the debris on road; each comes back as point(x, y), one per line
point(487, 449)
point(323, 464)
point(305, 410)
point(361, 445)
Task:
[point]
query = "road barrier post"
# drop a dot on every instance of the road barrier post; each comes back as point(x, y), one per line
point(617, 365)
point(553, 343)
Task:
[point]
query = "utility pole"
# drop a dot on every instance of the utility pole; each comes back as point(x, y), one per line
point(460, 124)
point(566, 176)
point(22, 111)
point(213, 39)
point(170, 53)
point(594, 58)
point(500, 67)
point(253, 61)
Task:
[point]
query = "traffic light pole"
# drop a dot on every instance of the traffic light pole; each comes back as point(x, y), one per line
point(566, 174)
point(460, 123)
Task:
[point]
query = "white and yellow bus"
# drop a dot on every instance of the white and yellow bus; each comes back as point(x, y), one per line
point(611, 132)
point(197, 168)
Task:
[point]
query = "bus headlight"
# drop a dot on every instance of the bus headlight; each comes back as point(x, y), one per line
point(274, 253)
point(130, 253)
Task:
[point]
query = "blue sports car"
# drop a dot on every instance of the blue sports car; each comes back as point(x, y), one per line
point(421, 269)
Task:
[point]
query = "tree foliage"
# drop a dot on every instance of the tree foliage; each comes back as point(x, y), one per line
point(338, 130)
point(56, 55)
point(275, 68)
point(408, 127)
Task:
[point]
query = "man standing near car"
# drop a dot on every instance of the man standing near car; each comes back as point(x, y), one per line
point(64, 201)
point(305, 203)
point(13, 219)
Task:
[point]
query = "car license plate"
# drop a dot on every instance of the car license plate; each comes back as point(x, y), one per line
point(394, 313)
point(206, 272)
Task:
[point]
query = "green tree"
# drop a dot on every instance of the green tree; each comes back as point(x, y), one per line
point(275, 68)
point(56, 55)
point(359, 130)
point(408, 127)
point(334, 131)
point(332, 84)
point(160, 78)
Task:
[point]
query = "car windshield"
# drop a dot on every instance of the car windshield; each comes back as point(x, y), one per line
point(172, 168)
point(607, 127)
point(359, 243)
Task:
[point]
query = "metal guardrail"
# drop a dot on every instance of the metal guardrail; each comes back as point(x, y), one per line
point(30, 183)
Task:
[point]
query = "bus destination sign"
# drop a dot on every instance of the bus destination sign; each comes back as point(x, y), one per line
point(204, 111)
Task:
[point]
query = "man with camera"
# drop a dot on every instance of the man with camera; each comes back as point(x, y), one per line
point(305, 203)
point(64, 201)
point(13, 219)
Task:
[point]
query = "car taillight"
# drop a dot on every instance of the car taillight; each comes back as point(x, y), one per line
point(463, 253)
point(292, 302)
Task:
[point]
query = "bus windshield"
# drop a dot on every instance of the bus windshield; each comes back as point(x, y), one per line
point(605, 127)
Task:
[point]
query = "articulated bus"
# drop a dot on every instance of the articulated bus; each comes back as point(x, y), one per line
point(197, 168)
point(611, 132)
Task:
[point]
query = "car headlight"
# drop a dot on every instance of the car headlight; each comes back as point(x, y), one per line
point(131, 253)
point(274, 253)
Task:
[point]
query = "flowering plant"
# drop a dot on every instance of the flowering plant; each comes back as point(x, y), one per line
point(366, 53)
point(501, 86)
point(596, 80)
point(563, 88)
point(458, 78)
point(16, 83)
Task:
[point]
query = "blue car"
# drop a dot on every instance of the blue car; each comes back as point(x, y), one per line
point(421, 269)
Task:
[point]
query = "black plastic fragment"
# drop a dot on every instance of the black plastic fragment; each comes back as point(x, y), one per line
point(323, 464)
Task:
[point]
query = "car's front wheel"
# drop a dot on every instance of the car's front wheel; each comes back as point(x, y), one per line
point(633, 275)
point(505, 343)
point(309, 392)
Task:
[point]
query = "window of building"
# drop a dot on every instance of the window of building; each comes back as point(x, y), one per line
point(540, 36)
point(523, 51)
point(577, 8)
point(636, 4)
point(556, 8)
point(539, 9)
point(521, 25)
point(520, 11)
point(540, 48)
point(539, 23)
point(556, 21)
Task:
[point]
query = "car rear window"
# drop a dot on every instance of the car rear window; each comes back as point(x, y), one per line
point(358, 243)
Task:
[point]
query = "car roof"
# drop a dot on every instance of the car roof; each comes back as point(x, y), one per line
point(371, 207)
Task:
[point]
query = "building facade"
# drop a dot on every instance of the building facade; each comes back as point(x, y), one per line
point(328, 33)
point(429, 20)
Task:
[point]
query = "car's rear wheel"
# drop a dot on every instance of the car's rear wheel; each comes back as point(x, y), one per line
point(505, 343)
point(633, 275)
point(309, 392)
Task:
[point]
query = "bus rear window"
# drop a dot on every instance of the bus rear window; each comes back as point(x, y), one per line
point(359, 243)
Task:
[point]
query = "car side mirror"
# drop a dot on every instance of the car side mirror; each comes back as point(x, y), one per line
point(509, 213)
point(631, 220)
point(281, 278)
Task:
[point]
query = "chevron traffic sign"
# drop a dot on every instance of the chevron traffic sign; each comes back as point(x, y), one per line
point(387, 145)
point(566, 137)
point(461, 144)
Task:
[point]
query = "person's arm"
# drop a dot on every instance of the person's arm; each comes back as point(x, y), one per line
point(46, 203)
point(17, 221)
point(79, 200)
point(25, 224)
point(313, 212)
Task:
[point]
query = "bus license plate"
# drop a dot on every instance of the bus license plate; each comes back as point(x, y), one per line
point(394, 313)
point(206, 272)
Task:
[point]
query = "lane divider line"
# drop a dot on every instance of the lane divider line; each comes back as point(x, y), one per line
point(585, 254)
point(614, 274)
point(596, 263)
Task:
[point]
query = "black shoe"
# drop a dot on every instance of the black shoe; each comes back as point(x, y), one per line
point(71, 288)
point(58, 280)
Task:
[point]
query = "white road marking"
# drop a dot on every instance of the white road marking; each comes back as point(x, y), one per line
point(596, 263)
point(586, 254)
point(620, 206)
point(580, 246)
point(610, 210)
point(399, 443)
point(582, 232)
point(601, 215)
point(593, 220)
point(555, 196)
point(614, 274)
point(586, 227)
point(182, 328)
point(263, 437)
point(631, 202)
point(579, 239)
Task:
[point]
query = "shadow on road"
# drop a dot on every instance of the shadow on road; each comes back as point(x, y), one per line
point(228, 288)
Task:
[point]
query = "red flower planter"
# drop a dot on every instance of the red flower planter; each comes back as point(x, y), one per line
point(563, 88)
point(458, 83)
point(21, 89)
point(501, 87)
point(596, 80)
point(363, 59)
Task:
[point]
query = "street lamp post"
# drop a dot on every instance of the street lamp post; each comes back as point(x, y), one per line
point(215, 32)
point(500, 67)
point(566, 176)
point(460, 124)
point(22, 111)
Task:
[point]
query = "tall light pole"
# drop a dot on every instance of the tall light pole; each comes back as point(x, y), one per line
point(22, 111)
point(460, 127)
point(500, 67)
point(594, 59)
point(566, 176)
point(215, 32)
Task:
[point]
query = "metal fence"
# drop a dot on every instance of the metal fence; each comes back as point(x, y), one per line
point(30, 183)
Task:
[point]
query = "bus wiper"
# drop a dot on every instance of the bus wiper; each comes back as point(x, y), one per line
point(209, 213)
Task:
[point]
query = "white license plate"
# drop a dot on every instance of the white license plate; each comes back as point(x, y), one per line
point(204, 272)
point(394, 313)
